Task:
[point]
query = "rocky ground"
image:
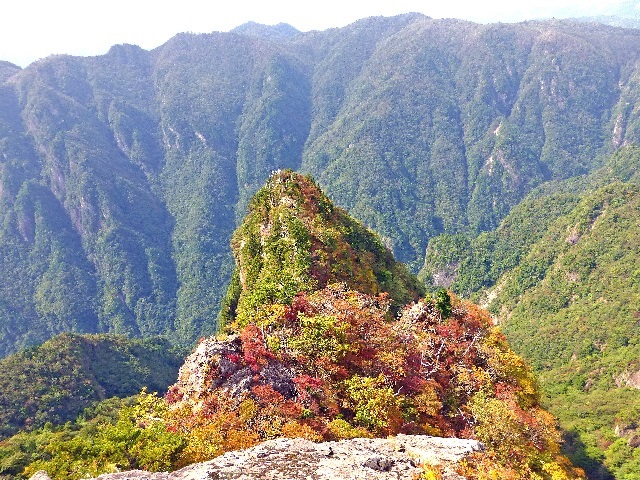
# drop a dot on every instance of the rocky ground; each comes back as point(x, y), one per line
point(398, 458)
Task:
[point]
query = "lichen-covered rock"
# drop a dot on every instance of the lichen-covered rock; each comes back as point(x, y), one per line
point(208, 367)
point(398, 458)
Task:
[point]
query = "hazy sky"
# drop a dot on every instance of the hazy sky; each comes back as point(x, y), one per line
point(32, 29)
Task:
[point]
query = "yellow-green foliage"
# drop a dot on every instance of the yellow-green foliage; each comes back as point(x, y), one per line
point(115, 435)
point(374, 402)
point(138, 439)
point(295, 240)
point(341, 429)
point(321, 336)
point(431, 472)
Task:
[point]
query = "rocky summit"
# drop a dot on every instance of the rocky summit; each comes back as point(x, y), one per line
point(330, 365)
point(398, 458)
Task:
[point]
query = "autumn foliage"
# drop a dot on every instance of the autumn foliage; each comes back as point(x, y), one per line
point(326, 339)
point(348, 368)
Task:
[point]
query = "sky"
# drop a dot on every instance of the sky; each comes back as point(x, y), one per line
point(33, 29)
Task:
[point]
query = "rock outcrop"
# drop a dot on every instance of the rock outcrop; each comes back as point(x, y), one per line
point(40, 475)
point(399, 458)
point(208, 367)
point(215, 365)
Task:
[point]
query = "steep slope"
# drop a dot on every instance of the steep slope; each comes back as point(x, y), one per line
point(470, 265)
point(295, 240)
point(324, 361)
point(580, 284)
point(56, 381)
point(123, 176)
point(566, 296)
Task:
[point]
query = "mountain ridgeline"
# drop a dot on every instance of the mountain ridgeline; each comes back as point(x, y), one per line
point(123, 176)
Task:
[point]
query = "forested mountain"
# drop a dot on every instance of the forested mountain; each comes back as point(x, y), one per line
point(56, 381)
point(562, 275)
point(327, 339)
point(123, 176)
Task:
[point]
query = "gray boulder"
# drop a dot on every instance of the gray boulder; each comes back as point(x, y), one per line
point(398, 458)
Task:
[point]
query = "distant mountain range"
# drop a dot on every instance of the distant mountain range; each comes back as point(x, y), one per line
point(123, 176)
point(613, 20)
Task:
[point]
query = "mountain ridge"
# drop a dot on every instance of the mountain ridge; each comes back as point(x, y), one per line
point(280, 30)
point(54, 382)
point(146, 160)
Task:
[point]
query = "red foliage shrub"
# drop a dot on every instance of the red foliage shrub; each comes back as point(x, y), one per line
point(307, 386)
point(266, 395)
point(256, 354)
point(234, 358)
point(173, 395)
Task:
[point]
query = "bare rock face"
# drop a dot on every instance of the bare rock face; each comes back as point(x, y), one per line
point(40, 475)
point(208, 367)
point(630, 431)
point(215, 364)
point(629, 379)
point(398, 458)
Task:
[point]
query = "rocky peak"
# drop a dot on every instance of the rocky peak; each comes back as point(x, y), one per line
point(294, 239)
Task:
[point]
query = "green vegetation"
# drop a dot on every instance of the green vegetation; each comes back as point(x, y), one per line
point(124, 176)
point(53, 383)
point(580, 283)
point(561, 275)
point(295, 240)
point(468, 266)
point(116, 433)
point(323, 362)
